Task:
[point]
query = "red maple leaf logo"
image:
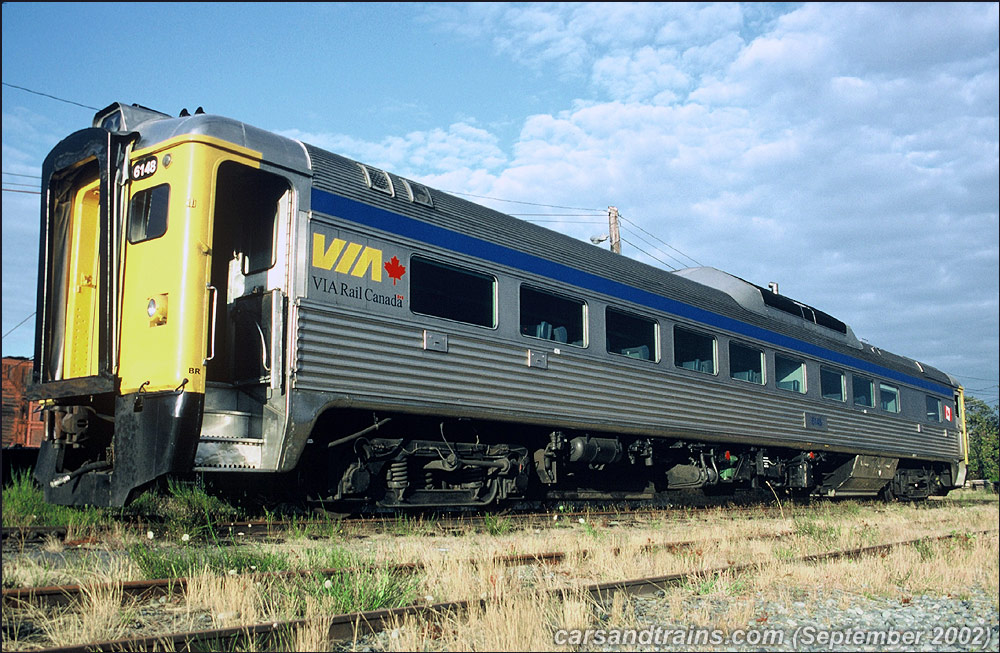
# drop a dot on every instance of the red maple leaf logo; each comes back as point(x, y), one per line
point(395, 270)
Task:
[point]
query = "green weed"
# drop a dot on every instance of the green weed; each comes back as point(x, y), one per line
point(24, 505)
point(359, 590)
point(716, 584)
point(816, 530)
point(407, 526)
point(497, 525)
point(164, 562)
point(185, 508)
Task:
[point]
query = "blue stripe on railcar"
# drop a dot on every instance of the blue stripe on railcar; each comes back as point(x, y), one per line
point(335, 205)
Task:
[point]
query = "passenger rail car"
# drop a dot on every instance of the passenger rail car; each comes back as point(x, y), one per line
point(216, 298)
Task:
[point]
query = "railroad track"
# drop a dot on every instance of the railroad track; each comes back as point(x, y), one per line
point(239, 531)
point(146, 589)
point(353, 625)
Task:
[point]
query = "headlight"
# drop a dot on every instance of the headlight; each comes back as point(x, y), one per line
point(156, 310)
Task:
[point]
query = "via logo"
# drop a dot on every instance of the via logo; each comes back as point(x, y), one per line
point(347, 258)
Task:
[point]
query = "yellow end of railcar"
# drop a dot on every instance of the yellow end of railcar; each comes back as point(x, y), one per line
point(167, 299)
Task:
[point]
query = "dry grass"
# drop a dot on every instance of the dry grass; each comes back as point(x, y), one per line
point(57, 565)
point(513, 621)
point(519, 610)
point(101, 615)
point(230, 600)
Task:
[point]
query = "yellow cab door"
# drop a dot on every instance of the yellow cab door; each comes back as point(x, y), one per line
point(168, 302)
point(199, 236)
point(82, 283)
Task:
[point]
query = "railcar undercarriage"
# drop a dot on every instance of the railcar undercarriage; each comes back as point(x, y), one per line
point(400, 462)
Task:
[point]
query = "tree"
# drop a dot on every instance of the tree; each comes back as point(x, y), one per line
point(983, 423)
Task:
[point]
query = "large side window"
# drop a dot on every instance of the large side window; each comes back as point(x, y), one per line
point(630, 335)
point(933, 409)
point(694, 351)
point(864, 391)
point(442, 290)
point(147, 215)
point(746, 363)
point(552, 317)
point(832, 385)
point(888, 398)
point(790, 374)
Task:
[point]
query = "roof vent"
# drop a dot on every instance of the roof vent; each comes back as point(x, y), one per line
point(378, 180)
point(418, 193)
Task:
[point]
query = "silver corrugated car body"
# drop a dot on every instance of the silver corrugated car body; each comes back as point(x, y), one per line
point(360, 352)
point(374, 398)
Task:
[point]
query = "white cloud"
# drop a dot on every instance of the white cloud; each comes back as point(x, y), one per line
point(460, 146)
point(847, 150)
point(639, 76)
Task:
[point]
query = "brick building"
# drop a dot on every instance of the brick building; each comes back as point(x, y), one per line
point(22, 422)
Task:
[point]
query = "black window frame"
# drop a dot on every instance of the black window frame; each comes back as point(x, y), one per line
point(762, 360)
point(855, 379)
point(693, 333)
point(940, 409)
point(132, 214)
point(884, 387)
point(823, 371)
point(778, 376)
point(451, 288)
point(650, 342)
point(548, 329)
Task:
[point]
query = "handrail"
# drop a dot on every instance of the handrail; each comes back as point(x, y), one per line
point(215, 312)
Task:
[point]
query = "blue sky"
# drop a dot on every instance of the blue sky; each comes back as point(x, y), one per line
point(848, 152)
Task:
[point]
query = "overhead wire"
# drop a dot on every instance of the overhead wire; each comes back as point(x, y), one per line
point(17, 325)
point(54, 97)
point(15, 183)
point(621, 217)
point(680, 262)
point(978, 378)
point(530, 217)
point(662, 262)
point(551, 206)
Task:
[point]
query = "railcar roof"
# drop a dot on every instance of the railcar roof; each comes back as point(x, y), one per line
point(154, 127)
point(707, 288)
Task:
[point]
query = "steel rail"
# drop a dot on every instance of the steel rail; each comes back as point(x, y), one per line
point(697, 511)
point(252, 529)
point(347, 626)
point(143, 589)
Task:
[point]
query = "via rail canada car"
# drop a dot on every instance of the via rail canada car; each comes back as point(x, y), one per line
point(215, 298)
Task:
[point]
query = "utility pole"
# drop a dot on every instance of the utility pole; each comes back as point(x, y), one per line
point(616, 241)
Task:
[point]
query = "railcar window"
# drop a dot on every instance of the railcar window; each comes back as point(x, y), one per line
point(551, 317)
point(933, 409)
point(746, 363)
point(694, 351)
point(888, 398)
point(148, 213)
point(790, 374)
point(446, 291)
point(864, 391)
point(831, 383)
point(630, 335)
